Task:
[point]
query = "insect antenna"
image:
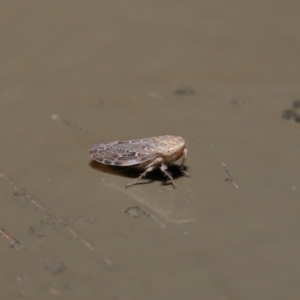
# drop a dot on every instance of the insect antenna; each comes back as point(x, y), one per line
point(192, 140)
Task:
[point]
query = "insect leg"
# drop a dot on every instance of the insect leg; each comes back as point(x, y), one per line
point(152, 166)
point(183, 164)
point(164, 168)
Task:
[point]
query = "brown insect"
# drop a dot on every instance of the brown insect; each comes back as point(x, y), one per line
point(147, 154)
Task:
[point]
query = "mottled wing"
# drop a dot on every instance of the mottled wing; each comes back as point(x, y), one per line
point(124, 153)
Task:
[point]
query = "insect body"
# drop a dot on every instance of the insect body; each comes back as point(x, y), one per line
point(147, 154)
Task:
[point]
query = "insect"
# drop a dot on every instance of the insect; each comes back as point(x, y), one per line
point(147, 154)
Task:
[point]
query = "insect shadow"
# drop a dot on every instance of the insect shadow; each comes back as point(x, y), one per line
point(133, 172)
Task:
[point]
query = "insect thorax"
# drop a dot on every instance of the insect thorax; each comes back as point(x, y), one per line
point(169, 147)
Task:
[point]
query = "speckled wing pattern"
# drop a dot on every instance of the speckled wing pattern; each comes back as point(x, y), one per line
point(125, 153)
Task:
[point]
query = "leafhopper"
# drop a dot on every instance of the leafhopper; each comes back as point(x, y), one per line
point(147, 154)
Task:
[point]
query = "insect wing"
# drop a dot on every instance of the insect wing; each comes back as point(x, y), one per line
point(124, 153)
